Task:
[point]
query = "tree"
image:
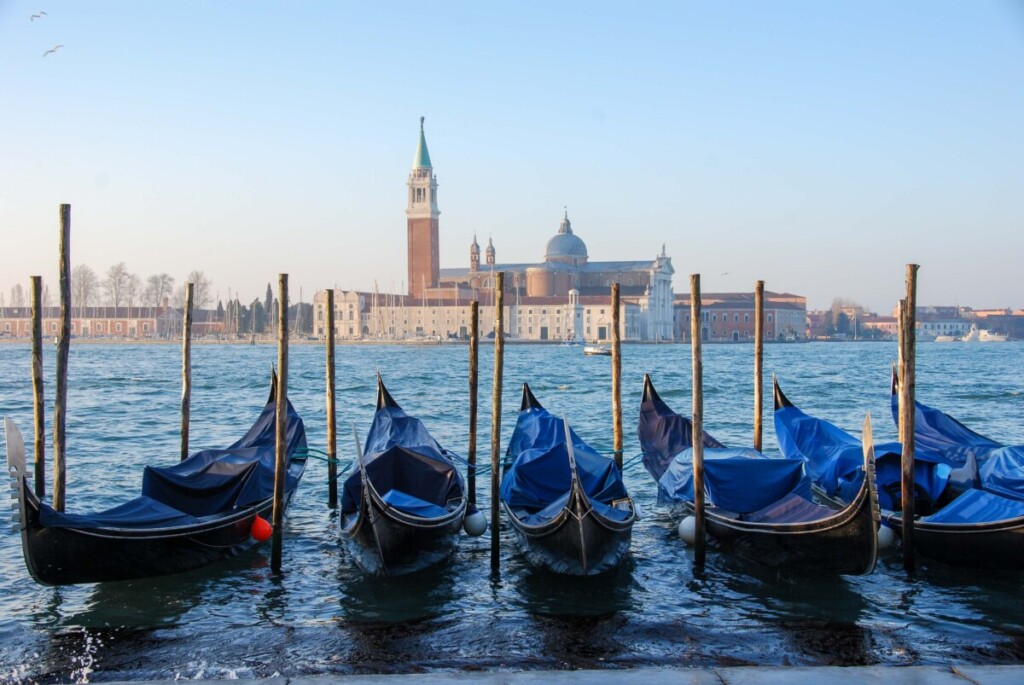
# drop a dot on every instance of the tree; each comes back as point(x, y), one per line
point(132, 290)
point(158, 287)
point(267, 308)
point(114, 284)
point(17, 295)
point(201, 292)
point(46, 296)
point(259, 317)
point(84, 285)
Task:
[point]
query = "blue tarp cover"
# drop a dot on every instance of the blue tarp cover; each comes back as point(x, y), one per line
point(538, 482)
point(1000, 469)
point(835, 459)
point(942, 434)
point(1003, 472)
point(208, 482)
point(663, 434)
point(737, 479)
point(406, 464)
point(978, 506)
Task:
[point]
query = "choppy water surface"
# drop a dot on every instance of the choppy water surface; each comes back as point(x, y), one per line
point(238, 620)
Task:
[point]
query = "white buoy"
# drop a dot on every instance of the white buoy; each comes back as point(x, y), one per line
point(886, 537)
point(475, 524)
point(688, 530)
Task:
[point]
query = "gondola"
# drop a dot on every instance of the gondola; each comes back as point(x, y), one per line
point(959, 522)
point(404, 504)
point(983, 525)
point(567, 504)
point(191, 514)
point(758, 507)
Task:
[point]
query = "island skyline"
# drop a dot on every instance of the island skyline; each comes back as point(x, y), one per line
point(818, 148)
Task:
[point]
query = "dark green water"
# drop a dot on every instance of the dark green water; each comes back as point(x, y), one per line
point(239, 620)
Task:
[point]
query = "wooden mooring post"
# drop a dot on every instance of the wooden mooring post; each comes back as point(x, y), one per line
point(332, 426)
point(60, 404)
point(186, 369)
point(474, 378)
point(38, 415)
point(698, 425)
point(499, 357)
point(616, 378)
point(906, 416)
point(281, 443)
point(758, 363)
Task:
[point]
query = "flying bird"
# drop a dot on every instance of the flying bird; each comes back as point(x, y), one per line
point(55, 48)
point(38, 15)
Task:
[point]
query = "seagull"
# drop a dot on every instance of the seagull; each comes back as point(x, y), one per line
point(38, 15)
point(726, 273)
point(53, 49)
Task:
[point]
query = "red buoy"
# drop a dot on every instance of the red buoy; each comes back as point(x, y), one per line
point(261, 529)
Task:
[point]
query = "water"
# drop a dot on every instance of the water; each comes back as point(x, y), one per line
point(236, 619)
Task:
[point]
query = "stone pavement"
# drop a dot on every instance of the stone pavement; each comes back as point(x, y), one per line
point(746, 675)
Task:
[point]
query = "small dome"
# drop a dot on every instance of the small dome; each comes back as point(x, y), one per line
point(565, 243)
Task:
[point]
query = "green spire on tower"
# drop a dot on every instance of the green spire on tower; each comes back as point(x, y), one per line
point(422, 159)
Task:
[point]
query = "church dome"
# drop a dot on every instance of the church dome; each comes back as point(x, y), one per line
point(565, 244)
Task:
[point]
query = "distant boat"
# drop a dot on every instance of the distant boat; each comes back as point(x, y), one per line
point(974, 335)
point(596, 350)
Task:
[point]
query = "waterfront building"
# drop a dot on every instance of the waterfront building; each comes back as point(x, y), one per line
point(127, 323)
point(730, 317)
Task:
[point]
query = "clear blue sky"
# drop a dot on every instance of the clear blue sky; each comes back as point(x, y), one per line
point(819, 146)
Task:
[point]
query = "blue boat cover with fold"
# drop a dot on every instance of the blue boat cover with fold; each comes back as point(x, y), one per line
point(1000, 468)
point(978, 506)
point(663, 434)
point(407, 467)
point(835, 460)
point(1003, 472)
point(218, 481)
point(737, 479)
point(944, 435)
point(539, 480)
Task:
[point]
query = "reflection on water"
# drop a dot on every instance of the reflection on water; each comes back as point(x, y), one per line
point(237, 619)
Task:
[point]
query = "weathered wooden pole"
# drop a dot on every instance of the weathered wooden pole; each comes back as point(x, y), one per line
point(698, 424)
point(281, 444)
point(616, 379)
point(186, 369)
point(499, 358)
point(38, 416)
point(60, 405)
point(758, 362)
point(474, 377)
point(901, 307)
point(332, 426)
point(907, 387)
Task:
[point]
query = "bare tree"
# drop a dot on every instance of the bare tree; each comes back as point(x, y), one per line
point(84, 285)
point(114, 284)
point(158, 287)
point(132, 290)
point(202, 293)
point(17, 295)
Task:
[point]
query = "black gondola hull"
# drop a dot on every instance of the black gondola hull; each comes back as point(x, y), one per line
point(999, 544)
point(577, 542)
point(69, 556)
point(384, 541)
point(845, 543)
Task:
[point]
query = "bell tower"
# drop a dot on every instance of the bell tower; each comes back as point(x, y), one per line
point(422, 220)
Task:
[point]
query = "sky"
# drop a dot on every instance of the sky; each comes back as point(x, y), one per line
point(818, 146)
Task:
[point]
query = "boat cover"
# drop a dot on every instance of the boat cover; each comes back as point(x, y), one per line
point(736, 479)
point(664, 434)
point(538, 483)
point(835, 460)
point(944, 435)
point(1000, 468)
point(978, 506)
point(1003, 472)
point(406, 465)
point(209, 482)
